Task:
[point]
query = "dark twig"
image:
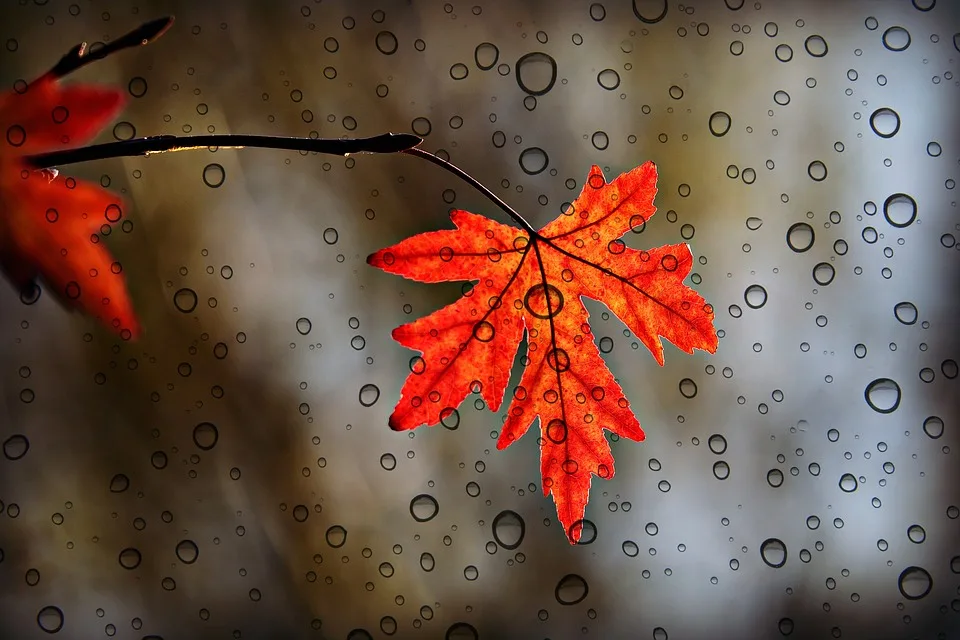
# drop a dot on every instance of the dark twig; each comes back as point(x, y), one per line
point(384, 143)
point(79, 56)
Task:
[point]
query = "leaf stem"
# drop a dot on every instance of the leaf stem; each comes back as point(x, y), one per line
point(384, 143)
point(476, 184)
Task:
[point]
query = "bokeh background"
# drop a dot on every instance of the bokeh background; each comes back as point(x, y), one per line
point(783, 132)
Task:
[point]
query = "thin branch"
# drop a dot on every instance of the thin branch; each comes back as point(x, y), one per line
point(384, 143)
point(79, 56)
point(476, 184)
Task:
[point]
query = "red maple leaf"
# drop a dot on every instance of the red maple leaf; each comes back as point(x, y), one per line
point(50, 227)
point(535, 283)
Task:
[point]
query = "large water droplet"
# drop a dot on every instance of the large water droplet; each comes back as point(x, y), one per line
point(816, 46)
point(914, 583)
point(720, 123)
point(896, 38)
point(185, 300)
point(773, 552)
point(533, 160)
point(187, 551)
point(205, 436)
point(900, 210)
point(883, 395)
point(755, 296)
point(800, 237)
point(50, 619)
point(608, 79)
point(571, 589)
point(424, 507)
point(536, 73)
point(508, 529)
point(486, 55)
point(650, 11)
point(336, 536)
point(933, 427)
point(214, 175)
point(848, 483)
point(906, 312)
point(885, 122)
point(717, 443)
point(369, 394)
point(15, 447)
point(823, 273)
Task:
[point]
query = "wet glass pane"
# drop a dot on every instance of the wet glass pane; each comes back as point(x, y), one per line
point(232, 474)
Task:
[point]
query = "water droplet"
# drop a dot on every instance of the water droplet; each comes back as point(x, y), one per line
point(900, 210)
point(427, 562)
point(187, 551)
point(533, 160)
point(717, 443)
point(688, 388)
point(816, 46)
point(933, 427)
point(720, 123)
point(823, 273)
point(775, 478)
point(486, 56)
point(800, 237)
point(508, 529)
point(754, 223)
point(630, 548)
point(185, 300)
point(303, 326)
point(330, 235)
point(721, 470)
point(214, 175)
point(914, 583)
point(387, 43)
point(369, 394)
point(543, 301)
point(896, 38)
point(571, 589)
point(883, 395)
point(848, 483)
point(782, 98)
point(50, 619)
point(817, 171)
point(906, 312)
point(536, 73)
point(119, 483)
point(388, 461)
point(15, 447)
point(608, 79)
point(755, 296)
point(600, 140)
point(885, 122)
point(773, 552)
point(130, 558)
point(336, 536)
point(462, 631)
point(424, 507)
point(205, 436)
point(650, 11)
point(916, 534)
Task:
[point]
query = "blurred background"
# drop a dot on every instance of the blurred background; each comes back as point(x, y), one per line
point(224, 478)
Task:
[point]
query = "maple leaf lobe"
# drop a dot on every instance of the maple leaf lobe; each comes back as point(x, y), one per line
point(50, 227)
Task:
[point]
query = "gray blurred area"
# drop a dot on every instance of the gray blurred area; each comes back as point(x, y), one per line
point(295, 521)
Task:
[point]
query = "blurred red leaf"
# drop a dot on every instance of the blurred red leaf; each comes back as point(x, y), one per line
point(534, 284)
point(49, 227)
